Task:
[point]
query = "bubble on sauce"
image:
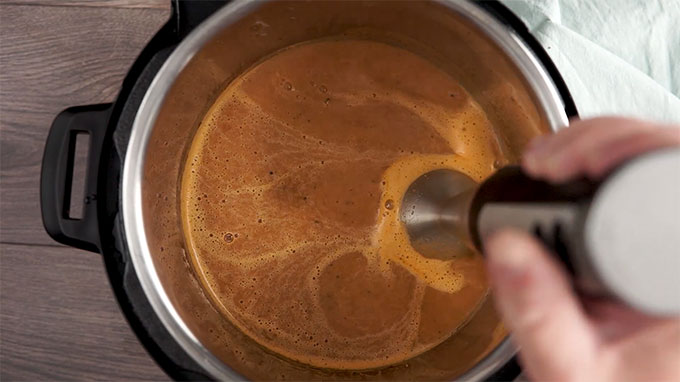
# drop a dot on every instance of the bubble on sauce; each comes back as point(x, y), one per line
point(259, 28)
point(389, 204)
point(229, 237)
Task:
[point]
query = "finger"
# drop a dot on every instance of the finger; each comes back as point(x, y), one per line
point(649, 355)
point(612, 320)
point(594, 157)
point(570, 160)
point(542, 146)
point(563, 154)
point(536, 301)
point(594, 147)
point(596, 163)
point(545, 146)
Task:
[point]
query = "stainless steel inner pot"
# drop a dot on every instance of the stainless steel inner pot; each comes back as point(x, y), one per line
point(489, 60)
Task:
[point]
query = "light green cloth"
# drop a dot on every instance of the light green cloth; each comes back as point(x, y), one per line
point(616, 56)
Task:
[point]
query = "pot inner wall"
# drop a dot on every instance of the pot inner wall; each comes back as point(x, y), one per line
point(428, 31)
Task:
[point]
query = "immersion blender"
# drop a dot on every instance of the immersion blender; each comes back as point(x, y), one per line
point(618, 237)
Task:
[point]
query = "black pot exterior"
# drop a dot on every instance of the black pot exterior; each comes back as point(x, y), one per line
point(102, 230)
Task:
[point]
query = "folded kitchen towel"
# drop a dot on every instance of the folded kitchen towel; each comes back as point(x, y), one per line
point(616, 56)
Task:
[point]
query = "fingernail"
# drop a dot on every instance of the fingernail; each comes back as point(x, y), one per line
point(533, 154)
point(554, 166)
point(537, 144)
point(509, 266)
point(530, 164)
point(506, 261)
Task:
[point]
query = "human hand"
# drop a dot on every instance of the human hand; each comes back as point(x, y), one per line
point(562, 337)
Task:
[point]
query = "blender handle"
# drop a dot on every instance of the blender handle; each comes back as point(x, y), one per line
point(594, 229)
point(551, 212)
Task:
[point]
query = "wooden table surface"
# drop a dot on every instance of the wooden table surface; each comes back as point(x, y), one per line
point(58, 316)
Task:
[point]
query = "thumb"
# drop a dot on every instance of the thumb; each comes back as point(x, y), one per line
point(535, 299)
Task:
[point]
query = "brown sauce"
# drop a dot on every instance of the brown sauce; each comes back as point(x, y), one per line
point(290, 198)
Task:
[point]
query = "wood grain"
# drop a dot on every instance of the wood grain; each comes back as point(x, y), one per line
point(152, 4)
point(49, 62)
point(60, 321)
point(58, 317)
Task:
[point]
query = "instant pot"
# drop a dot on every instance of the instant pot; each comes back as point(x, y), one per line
point(138, 144)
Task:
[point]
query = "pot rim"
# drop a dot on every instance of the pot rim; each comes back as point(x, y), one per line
point(540, 82)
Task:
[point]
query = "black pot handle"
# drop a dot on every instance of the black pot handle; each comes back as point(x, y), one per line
point(57, 173)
